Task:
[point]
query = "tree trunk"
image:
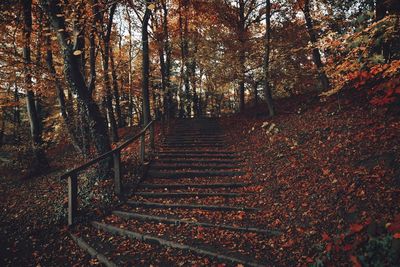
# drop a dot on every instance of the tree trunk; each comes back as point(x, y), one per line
point(92, 59)
point(255, 92)
point(106, 77)
point(385, 7)
point(267, 49)
point(167, 68)
point(17, 113)
point(61, 97)
point(40, 160)
point(185, 68)
point(193, 67)
point(114, 75)
point(145, 66)
point(316, 54)
point(3, 125)
point(130, 97)
point(242, 54)
point(84, 131)
point(242, 67)
point(76, 82)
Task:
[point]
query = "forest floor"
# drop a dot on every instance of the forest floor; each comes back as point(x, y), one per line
point(33, 228)
point(328, 174)
point(331, 176)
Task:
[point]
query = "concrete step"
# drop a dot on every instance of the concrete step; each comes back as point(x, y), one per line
point(186, 186)
point(191, 174)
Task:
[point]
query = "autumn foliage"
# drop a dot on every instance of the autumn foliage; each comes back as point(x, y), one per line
point(306, 91)
point(369, 61)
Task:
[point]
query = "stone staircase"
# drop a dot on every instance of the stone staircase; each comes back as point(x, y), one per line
point(194, 208)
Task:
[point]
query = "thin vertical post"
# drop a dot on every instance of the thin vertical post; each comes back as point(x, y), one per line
point(72, 198)
point(142, 147)
point(117, 172)
point(152, 136)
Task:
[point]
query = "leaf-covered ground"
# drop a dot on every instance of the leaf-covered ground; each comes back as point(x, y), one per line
point(331, 177)
point(327, 176)
point(33, 212)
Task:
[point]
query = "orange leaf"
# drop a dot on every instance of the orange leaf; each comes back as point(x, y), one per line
point(241, 215)
point(355, 228)
point(288, 244)
point(326, 172)
point(325, 236)
point(309, 260)
point(355, 261)
point(328, 247)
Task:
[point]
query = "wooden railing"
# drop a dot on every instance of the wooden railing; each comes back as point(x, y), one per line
point(72, 175)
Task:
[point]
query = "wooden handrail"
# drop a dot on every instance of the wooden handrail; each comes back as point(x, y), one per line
point(107, 154)
point(72, 175)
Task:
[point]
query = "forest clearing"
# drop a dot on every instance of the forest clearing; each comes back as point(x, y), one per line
point(200, 133)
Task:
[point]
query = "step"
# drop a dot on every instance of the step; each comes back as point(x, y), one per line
point(191, 138)
point(190, 194)
point(200, 161)
point(187, 206)
point(197, 131)
point(195, 138)
point(166, 243)
point(202, 143)
point(92, 252)
point(198, 135)
point(191, 145)
point(200, 156)
point(191, 174)
point(198, 138)
point(218, 152)
point(185, 186)
point(158, 219)
point(192, 167)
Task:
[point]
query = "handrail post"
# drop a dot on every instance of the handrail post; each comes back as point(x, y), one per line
point(117, 172)
point(72, 197)
point(142, 148)
point(152, 136)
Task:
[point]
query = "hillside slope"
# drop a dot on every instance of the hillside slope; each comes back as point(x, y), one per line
point(331, 176)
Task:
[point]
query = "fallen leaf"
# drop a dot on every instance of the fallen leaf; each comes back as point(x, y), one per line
point(347, 247)
point(355, 261)
point(326, 172)
point(355, 228)
point(325, 236)
point(328, 247)
point(288, 243)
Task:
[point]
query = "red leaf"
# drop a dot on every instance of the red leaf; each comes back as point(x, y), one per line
point(355, 228)
point(288, 244)
point(328, 247)
point(241, 215)
point(347, 247)
point(394, 227)
point(309, 260)
point(396, 235)
point(199, 236)
point(325, 236)
point(355, 261)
